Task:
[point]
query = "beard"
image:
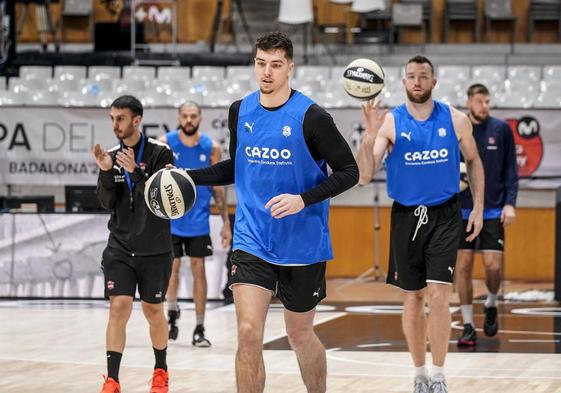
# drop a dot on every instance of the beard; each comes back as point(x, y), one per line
point(127, 133)
point(263, 91)
point(419, 99)
point(191, 132)
point(480, 119)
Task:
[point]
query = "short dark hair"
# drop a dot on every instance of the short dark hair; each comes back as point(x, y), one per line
point(190, 104)
point(129, 102)
point(275, 40)
point(420, 60)
point(477, 88)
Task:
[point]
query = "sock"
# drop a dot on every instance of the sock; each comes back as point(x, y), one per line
point(113, 364)
point(160, 355)
point(421, 371)
point(172, 305)
point(491, 300)
point(437, 370)
point(200, 319)
point(467, 313)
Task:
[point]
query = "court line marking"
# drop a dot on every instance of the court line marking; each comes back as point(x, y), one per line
point(534, 341)
point(460, 369)
point(359, 374)
point(457, 325)
point(316, 323)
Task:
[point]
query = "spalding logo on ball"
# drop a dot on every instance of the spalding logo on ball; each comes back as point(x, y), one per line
point(363, 79)
point(170, 193)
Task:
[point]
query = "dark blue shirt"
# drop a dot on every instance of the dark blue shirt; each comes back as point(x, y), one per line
point(496, 146)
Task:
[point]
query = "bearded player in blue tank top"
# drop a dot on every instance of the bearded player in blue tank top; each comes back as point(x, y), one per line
point(191, 233)
point(423, 138)
point(281, 143)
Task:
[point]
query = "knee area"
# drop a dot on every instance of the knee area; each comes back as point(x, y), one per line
point(299, 337)
point(119, 310)
point(438, 297)
point(249, 335)
point(153, 313)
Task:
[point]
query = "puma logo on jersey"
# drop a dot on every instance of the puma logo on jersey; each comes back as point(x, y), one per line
point(248, 126)
point(406, 135)
point(175, 155)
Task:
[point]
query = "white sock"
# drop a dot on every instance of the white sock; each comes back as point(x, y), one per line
point(421, 371)
point(200, 319)
point(437, 370)
point(172, 305)
point(491, 300)
point(467, 313)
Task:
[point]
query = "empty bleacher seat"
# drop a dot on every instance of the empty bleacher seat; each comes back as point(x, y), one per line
point(35, 72)
point(70, 72)
point(174, 73)
point(138, 72)
point(104, 72)
point(206, 73)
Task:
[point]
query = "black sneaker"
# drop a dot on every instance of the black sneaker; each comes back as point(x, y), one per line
point(468, 337)
point(173, 316)
point(199, 339)
point(491, 326)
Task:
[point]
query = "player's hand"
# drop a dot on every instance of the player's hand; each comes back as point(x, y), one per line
point(226, 235)
point(284, 205)
point(373, 116)
point(508, 215)
point(475, 223)
point(125, 158)
point(170, 166)
point(102, 158)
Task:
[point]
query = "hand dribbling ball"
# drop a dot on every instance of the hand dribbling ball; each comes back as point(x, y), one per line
point(363, 79)
point(170, 193)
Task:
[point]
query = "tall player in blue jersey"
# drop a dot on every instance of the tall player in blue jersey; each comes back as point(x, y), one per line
point(191, 233)
point(281, 143)
point(496, 146)
point(423, 138)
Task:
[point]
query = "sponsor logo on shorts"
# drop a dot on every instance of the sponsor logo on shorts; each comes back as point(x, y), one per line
point(158, 295)
point(501, 242)
point(233, 270)
point(395, 276)
point(451, 269)
point(110, 285)
point(316, 293)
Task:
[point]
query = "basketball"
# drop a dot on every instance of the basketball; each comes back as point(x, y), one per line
point(170, 193)
point(363, 79)
point(464, 183)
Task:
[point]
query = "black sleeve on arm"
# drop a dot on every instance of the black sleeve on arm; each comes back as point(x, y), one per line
point(106, 189)
point(326, 142)
point(222, 173)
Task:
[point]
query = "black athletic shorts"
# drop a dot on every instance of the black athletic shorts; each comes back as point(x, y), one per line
point(431, 256)
point(196, 246)
point(491, 237)
point(123, 272)
point(299, 288)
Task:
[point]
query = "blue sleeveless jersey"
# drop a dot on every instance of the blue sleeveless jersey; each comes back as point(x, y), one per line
point(271, 159)
point(195, 222)
point(423, 167)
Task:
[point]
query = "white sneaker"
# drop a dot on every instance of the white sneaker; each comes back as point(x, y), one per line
point(421, 384)
point(438, 384)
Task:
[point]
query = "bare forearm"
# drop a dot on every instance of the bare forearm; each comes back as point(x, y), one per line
point(219, 194)
point(365, 159)
point(477, 182)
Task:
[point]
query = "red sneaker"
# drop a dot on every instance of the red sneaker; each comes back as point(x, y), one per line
point(111, 386)
point(160, 381)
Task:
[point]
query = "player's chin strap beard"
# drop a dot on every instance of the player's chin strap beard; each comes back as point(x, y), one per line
point(421, 212)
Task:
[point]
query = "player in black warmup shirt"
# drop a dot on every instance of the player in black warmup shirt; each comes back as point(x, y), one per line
point(138, 252)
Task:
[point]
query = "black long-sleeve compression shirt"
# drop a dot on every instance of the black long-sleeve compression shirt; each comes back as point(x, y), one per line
point(324, 141)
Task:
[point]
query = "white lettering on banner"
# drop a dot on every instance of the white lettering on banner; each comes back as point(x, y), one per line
point(154, 14)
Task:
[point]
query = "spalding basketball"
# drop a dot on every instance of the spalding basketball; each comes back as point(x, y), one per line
point(363, 79)
point(170, 193)
point(464, 183)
